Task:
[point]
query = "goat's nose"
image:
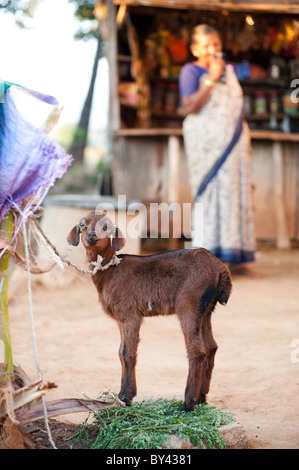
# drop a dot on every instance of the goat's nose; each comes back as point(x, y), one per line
point(91, 235)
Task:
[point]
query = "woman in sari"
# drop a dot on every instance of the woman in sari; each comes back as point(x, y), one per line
point(218, 149)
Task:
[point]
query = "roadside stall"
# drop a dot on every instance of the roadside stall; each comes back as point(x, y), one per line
point(149, 43)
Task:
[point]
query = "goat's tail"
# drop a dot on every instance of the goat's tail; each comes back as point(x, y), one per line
point(224, 287)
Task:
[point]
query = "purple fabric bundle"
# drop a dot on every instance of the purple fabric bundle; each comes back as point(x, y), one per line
point(30, 160)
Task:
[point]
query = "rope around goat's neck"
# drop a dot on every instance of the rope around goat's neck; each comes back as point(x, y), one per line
point(114, 261)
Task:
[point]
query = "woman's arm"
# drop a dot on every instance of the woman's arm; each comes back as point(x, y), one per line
point(193, 103)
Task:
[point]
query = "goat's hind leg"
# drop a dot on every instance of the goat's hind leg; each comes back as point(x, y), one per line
point(129, 334)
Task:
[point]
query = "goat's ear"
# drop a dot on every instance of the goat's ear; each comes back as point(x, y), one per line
point(74, 236)
point(118, 240)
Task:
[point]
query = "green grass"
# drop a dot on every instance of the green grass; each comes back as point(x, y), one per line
point(148, 424)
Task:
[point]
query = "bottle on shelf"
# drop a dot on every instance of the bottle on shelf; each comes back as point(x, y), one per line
point(274, 104)
point(260, 102)
point(289, 105)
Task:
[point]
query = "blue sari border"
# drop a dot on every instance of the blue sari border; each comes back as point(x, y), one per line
point(213, 172)
point(234, 256)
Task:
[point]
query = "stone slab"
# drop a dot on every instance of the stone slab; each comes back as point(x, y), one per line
point(233, 435)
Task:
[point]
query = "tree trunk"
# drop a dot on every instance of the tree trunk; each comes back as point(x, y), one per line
point(77, 147)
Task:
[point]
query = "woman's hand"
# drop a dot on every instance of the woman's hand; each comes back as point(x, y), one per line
point(216, 67)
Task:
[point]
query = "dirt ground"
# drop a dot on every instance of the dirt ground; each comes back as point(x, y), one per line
point(256, 373)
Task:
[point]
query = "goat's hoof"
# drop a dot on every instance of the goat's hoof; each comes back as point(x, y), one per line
point(187, 409)
point(202, 399)
point(125, 400)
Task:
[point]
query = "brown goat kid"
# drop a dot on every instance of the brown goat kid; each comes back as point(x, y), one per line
point(187, 282)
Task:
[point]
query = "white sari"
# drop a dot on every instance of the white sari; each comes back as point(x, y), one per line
point(218, 149)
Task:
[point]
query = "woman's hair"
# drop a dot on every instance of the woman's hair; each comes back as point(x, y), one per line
point(202, 30)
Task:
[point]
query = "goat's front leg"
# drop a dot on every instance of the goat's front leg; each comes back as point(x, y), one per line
point(191, 326)
point(211, 349)
point(129, 335)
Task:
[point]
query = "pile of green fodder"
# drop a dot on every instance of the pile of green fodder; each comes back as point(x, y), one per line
point(148, 425)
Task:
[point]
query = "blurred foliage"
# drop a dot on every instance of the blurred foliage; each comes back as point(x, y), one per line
point(13, 6)
point(89, 28)
point(64, 134)
point(21, 9)
point(104, 166)
point(84, 12)
point(80, 179)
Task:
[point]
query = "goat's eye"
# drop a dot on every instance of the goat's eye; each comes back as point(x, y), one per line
point(105, 227)
point(82, 224)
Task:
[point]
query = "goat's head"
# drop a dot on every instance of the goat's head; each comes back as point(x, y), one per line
point(96, 229)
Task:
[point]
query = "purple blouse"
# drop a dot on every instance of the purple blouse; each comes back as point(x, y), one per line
point(189, 78)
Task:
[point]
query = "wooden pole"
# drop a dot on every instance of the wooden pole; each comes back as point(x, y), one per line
point(283, 238)
point(6, 361)
point(174, 187)
point(174, 168)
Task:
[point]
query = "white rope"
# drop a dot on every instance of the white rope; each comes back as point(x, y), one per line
point(114, 261)
point(33, 332)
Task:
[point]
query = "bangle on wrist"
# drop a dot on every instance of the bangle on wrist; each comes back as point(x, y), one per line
point(209, 82)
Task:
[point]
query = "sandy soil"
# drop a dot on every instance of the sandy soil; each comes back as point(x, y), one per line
point(256, 371)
